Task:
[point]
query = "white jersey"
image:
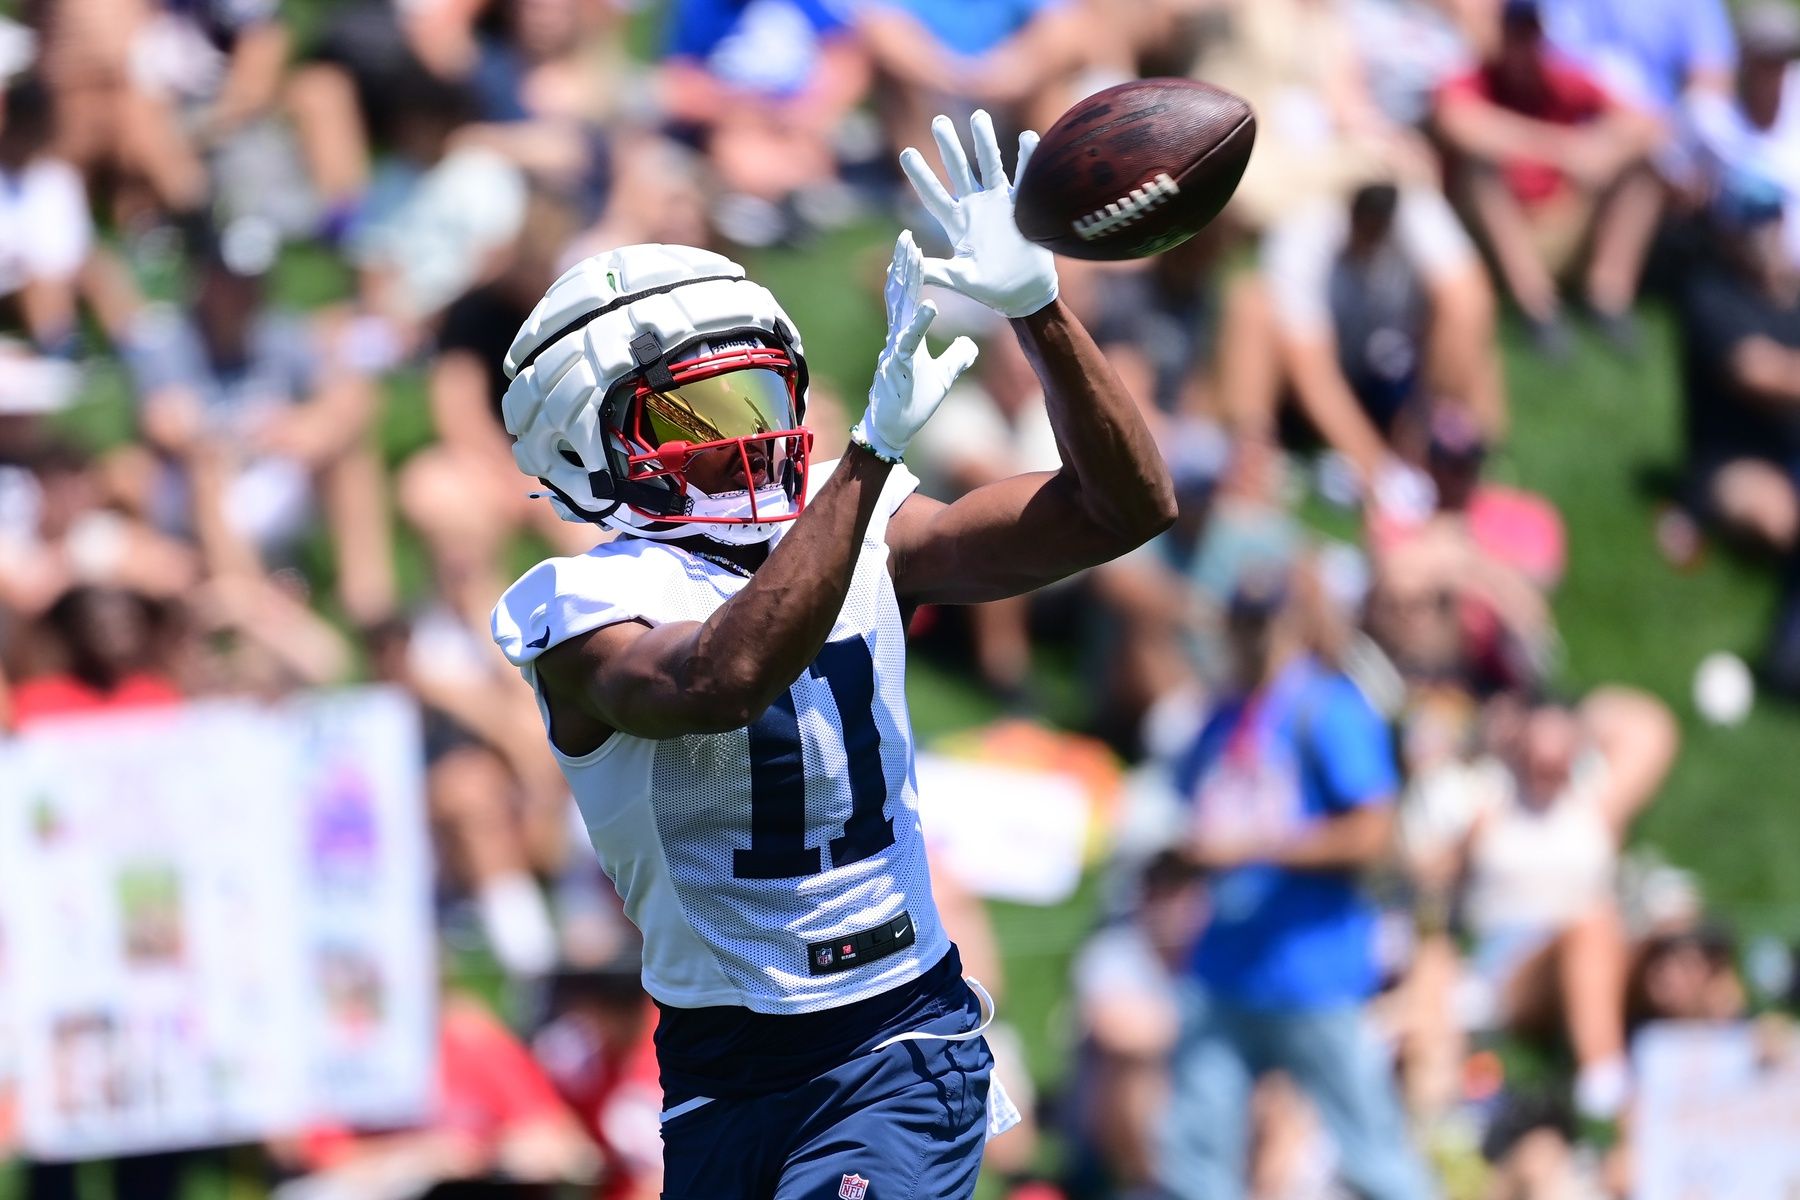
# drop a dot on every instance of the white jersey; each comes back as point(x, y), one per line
point(777, 866)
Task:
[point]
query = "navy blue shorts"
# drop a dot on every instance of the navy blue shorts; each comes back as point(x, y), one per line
point(906, 1121)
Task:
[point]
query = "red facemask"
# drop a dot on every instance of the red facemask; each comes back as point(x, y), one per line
point(729, 429)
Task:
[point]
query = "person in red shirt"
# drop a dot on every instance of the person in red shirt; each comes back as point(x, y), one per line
point(1545, 161)
point(599, 1050)
point(103, 636)
point(498, 1128)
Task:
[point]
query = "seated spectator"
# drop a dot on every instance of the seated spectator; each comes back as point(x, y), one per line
point(104, 660)
point(486, 828)
point(1323, 140)
point(112, 125)
point(1017, 58)
point(1170, 647)
point(1128, 1014)
point(217, 67)
point(45, 232)
point(1320, 132)
point(1684, 975)
point(1460, 593)
point(1648, 52)
point(462, 493)
point(1455, 621)
point(252, 635)
point(1652, 55)
point(1740, 327)
point(1410, 48)
point(1532, 831)
point(1379, 305)
point(1141, 39)
point(1546, 160)
point(438, 216)
point(234, 393)
point(352, 94)
point(1755, 132)
point(762, 86)
point(1291, 784)
point(1740, 332)
point(497, 1119)
point(59, 528)
point(553, 61)
point(599, 1049)
point(1518, 528)
point(547, 85)
point(1159, 323)
point(218, 629)
point(219, 63)
point(659, 193)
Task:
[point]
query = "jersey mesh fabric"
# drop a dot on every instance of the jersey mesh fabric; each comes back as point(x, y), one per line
point(668, 817)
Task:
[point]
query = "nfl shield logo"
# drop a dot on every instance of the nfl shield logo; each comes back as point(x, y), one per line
point(853, 1187)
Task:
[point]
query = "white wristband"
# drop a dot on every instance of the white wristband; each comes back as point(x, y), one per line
point(862, 434)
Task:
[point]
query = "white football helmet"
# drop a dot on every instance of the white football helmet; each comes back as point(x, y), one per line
point(644, 363)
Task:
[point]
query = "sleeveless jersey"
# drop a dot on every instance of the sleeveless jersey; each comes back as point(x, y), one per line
point(748, 859)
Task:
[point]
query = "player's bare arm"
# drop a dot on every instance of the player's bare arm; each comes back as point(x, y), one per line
point(1113, 492)
point(720, 674)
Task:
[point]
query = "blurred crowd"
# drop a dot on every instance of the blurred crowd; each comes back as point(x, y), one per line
point(1372, 858)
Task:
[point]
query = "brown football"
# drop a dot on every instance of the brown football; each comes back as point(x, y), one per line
point(1135, 169)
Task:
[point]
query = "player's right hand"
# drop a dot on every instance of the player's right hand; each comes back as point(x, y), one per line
point(909, 383)
point(991, 261)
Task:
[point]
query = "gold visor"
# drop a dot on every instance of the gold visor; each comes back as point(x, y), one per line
point(736, 404)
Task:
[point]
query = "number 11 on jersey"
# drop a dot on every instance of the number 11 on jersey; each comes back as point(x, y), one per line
point(778, 848)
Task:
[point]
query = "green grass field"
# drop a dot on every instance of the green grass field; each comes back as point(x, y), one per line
point(1592, 434)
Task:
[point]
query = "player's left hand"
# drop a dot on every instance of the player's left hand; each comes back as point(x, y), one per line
point(991, 261)
point(909, 383)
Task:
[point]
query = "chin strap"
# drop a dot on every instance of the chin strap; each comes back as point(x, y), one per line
point(644, 496)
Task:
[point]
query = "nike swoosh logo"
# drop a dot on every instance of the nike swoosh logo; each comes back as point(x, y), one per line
point(539, 642)
point(901, 932)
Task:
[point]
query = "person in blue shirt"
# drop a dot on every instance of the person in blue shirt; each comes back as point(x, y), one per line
point(1650, 52)
point(761, 87)
point(1290, 787)
point(1017, 58)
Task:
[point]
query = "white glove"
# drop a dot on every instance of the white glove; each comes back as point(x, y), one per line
point(992, 262)
point(909, 383)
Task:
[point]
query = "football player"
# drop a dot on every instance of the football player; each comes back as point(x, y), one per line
point(723, 684)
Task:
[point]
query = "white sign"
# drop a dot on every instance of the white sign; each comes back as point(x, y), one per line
point(1007, 833)
point(218, 923)
point(1718, 1114)
point(9, 1046)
